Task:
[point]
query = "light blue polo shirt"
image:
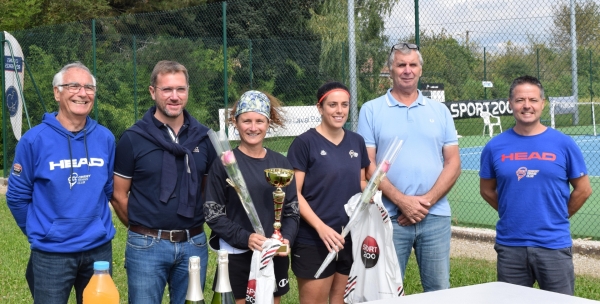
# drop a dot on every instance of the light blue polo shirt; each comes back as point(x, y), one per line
point(425, 127)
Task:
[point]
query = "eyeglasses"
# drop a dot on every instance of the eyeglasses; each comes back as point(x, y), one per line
point(402, 45)
point(75, 87)
point(180, 91)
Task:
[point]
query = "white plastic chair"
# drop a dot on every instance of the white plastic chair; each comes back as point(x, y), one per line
point(489, 124)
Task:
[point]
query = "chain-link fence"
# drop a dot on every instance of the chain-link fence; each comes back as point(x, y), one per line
point(472, 49)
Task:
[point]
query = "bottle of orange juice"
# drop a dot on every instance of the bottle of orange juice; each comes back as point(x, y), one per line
point(101, 289)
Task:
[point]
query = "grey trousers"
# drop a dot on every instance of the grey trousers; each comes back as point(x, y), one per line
point(551, 268)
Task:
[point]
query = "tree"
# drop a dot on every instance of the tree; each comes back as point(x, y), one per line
point(587, 24)
point(16, 15)
point(275, 50)
point(22, 14)
point(448, 62)
point(145, 6)
point(329, 22)
point(514, 62)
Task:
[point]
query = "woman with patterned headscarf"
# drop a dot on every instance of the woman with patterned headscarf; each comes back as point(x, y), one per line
point(253, 115)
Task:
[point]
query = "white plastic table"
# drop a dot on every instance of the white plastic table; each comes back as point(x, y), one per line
point(488, 293)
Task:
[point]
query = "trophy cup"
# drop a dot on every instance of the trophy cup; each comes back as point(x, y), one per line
point(279, 178)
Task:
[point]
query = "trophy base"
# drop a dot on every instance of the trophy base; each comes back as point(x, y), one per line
point(283, 248)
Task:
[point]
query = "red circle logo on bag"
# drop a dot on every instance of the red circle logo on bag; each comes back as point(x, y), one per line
point(251, 291)
point(369, 252)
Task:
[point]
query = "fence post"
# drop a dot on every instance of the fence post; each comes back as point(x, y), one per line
point(250, 63)
point(4, 160)
point(417, 38)
point(574, 81)
point(225, 89)
point(591, 88)
point(135, 101)
point(537, 61)
point(94, 66)
point(352, 68)
point(343, 76)
point(484, 73)
point(417, 35)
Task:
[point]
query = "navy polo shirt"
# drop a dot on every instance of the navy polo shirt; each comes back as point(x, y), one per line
point(332, 177)
point(141, 161)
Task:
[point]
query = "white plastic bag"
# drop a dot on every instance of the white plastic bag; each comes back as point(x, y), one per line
point(261, 283)
point(375, 273)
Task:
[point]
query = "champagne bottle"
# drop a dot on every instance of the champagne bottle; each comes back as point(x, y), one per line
point(194, 292)
point(223, 293)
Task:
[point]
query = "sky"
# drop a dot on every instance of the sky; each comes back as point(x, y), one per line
point(489, 23)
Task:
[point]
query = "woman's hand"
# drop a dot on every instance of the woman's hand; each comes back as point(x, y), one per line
point(332, 240)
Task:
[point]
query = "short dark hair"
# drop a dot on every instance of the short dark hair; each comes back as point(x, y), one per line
point(328, 86)
point(525, 80)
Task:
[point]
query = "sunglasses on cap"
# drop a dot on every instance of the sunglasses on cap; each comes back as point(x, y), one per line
point(401, 45)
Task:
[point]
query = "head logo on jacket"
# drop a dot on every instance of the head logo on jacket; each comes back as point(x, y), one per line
point(74, 163)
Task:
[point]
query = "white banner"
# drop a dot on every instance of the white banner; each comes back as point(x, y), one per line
point(297, 121)
point(14, 77)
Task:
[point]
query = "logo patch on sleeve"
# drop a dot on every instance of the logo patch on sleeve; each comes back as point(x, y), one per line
point(17, 169)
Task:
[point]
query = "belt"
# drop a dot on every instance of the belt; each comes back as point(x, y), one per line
point(174, 236)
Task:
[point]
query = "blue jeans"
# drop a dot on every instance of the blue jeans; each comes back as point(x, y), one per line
point(152, 262)
point(551, 268)
point(51, 275)
point(431, 240)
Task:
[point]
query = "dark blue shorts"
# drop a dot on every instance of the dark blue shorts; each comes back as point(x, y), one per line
point(306, 260)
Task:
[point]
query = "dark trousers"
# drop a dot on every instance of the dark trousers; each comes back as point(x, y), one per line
point(51, 275)
point(551, 268)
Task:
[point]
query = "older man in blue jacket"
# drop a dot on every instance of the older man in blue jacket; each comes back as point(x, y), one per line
point(59, 190)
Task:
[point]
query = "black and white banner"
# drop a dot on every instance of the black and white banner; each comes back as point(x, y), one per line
point(14, 77)
point(473, 108)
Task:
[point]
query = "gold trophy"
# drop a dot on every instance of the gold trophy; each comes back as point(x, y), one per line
point(279, 178)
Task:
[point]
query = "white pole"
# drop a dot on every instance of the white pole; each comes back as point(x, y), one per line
point(352, 67)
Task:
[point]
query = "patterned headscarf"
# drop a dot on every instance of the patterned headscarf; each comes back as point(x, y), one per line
point(254, 101)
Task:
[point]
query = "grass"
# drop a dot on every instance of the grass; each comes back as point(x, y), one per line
point(14, 254)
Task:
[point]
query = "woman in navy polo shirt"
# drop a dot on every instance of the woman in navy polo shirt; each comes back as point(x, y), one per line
point(329, 163)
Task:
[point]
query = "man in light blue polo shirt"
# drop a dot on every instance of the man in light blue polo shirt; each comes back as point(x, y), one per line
point(424, 172)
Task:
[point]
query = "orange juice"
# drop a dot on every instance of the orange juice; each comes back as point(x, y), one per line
point(101, 289)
